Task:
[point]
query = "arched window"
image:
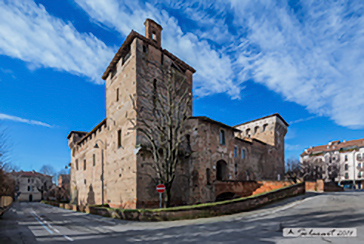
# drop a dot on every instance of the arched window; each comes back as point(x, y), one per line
point(265, 127)
point(256, 129)
point(247, 132)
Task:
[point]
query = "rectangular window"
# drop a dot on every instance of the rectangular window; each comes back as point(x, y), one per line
point(84, 164)
point(346, 176)
point(359, 175)
point(346, 158)
point(346, 166)
point(222, 137)
point(235, 152)
point(359, 156)
point(236, 169)
point(208, 176)
point(126, 56)
point(119, 138)
point(76, 164)
point(117, 94)
point(28, 188)
point(145, 49)
point(359, 165)
point(243, 154)
point(94, 160)
point(162, 58)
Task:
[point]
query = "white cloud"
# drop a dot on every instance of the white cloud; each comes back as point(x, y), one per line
point(29, 33)
point(310, 53)
point(214, 69)
point(313, 56)
point(302, 120)
point(290, 147)
point(27, 121)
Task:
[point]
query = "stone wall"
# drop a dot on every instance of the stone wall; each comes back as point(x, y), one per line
point(248, 188)
point(135, 74)
point(85, 176)
point(203, 210)
point(321, 186)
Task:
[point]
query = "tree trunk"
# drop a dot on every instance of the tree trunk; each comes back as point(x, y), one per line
point(168, 196)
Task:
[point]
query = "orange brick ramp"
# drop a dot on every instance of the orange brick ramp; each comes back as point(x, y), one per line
point(270, 186)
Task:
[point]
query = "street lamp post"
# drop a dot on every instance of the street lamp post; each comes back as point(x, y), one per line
point(102, 168)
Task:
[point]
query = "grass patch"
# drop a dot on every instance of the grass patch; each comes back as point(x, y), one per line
point(196, 206)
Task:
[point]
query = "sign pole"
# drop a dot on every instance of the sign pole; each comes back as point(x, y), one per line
point(160, 189)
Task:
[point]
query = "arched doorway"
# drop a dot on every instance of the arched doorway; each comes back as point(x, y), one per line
point(226, 196)
point(221, 170)
point(30, 197)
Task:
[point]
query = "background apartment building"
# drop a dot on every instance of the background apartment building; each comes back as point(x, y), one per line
point(30, 185)
point(347, 155)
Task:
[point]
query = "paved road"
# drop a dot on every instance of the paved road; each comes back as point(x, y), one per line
point(38, 223)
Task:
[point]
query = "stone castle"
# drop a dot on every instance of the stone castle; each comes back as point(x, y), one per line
point(106, 168)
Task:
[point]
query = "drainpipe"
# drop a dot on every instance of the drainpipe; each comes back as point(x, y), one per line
point(354, 169)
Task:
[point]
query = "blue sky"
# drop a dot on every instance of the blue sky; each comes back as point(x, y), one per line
point(302, 59)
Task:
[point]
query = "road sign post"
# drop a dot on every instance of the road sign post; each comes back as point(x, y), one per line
point(160, 189)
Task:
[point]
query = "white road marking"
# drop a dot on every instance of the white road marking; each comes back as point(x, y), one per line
point(68, 238)
point(40, 222)
point(35, 215)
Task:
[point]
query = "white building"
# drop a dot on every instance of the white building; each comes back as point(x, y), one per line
point(348, 155)
point(28, 184)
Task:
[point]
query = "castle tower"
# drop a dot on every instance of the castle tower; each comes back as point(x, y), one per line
point(134, 74)
point(270, 130)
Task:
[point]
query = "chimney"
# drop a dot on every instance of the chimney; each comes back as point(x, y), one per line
point(153, 31)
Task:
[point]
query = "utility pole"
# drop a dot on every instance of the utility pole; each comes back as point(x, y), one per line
point(102, 168)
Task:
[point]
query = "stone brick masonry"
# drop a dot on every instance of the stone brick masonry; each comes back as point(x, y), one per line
point(106, 168)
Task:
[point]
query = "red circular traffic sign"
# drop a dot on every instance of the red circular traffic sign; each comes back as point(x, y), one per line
point(161, 188)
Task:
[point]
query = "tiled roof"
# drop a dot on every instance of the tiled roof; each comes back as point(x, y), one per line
point(76, 132)
point(276, 114)
point(29, 174)
point(334, 146)
point(92, 131)
point(128, 41)
point(207, 119)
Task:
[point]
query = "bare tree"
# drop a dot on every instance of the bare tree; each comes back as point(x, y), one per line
point(49, 170)
point(162, 124)
point(7, 184)
point(42, 185)
point(325, 167)
point(293, 170)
